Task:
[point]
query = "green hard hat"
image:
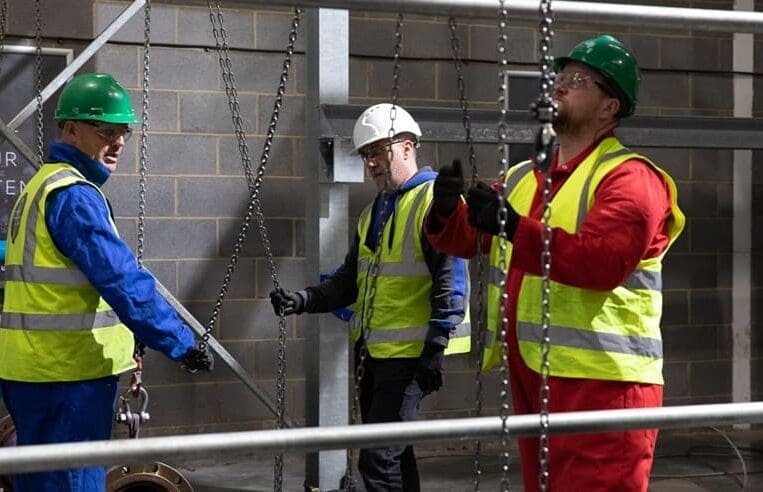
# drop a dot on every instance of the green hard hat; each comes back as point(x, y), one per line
point(95, 96)
point(608, 56)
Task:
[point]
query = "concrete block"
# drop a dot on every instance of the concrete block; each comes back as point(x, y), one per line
point(192, 403)
point(711, 235)
point(480, 80)
point(710, 306)
point(195, 27)
point(290, 273)
point(712, 164)
point(685, 53)
point(372, 37)
point(272, 31)
point(699, 199)
point(266, 361)
point(422, 39)
point(162, 110)
point(710, 378)
point(300, 247)
point(696, 342)
point(184, 69)
point(228, 197)
point(712, 91)
point(483, 45)
point(291, 119)
point(281, 160)
point(182, 154)
point(21, 19)
point(122, 63)
point(675, 308)
point(162, 22)
point(180, 238)
point(251, 319)
point(359, 79)
point(241, 405)
point(122, 192)
point(202, 279)
point(259, 72)
point(689, 271)
point(411, 75)
point(209, 113)
point(664, 90)
point(280, 235)
point(676, 375)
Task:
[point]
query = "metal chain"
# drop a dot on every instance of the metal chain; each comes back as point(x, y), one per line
point(3, 28)
point(254, 208)
point(38, 72)
point(546, 112)
point(477, 322)
point(503, 152)
point(144, 136)
point(373, 269)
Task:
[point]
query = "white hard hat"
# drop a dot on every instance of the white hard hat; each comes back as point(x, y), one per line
point(375, 122)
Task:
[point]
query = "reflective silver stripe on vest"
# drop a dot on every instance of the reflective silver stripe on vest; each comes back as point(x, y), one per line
point(30, 242)
point(583, 206)
point(417, 269)
point(591, 340)
point(644, 280)
point(43, 275)
point(521, 171)
point(495, 276)
point(59, 322)
point(413, 334)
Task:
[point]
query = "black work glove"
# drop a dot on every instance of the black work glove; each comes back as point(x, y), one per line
point(484, 203)
point(198, 359)
point(448, 186)
point(290, 301)
point(429, 369)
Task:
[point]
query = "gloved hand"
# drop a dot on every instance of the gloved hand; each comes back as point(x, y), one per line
point(198, 359)
point(429, 369)
point(448, 186)
point(291, 301)
point(484, 203)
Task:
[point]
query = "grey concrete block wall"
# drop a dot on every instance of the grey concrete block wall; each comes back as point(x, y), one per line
point(197, 194)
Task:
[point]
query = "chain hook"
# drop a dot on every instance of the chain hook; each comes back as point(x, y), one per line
point(131, 419)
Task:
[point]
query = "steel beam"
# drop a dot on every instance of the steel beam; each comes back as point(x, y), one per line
point(79, 454)
point(611, 14)
point(445, 125)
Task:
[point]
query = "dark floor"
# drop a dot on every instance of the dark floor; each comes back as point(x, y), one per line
point(703, 461)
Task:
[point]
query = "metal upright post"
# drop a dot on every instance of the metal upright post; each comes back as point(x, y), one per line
point(327, 357)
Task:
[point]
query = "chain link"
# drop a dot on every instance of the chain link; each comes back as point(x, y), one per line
point(254, 208)
point(143, 167)
point(373, 269)
point(478, 321)
point(546, 112)
point(503, 152)
point(3, 28)
point(38, 76)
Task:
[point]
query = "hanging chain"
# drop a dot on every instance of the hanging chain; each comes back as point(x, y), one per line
point(503, 152)
point(545, 141)
point(254, 208)
point(3, 28)
point(38, 72)
point(373, 269)
point(144, 136)
point(478, 320)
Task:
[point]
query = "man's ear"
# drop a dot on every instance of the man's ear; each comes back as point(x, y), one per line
point(611, 108)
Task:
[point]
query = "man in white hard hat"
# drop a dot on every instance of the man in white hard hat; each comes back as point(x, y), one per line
point(418, 311)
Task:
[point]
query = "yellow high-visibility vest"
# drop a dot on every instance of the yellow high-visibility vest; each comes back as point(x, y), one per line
point(401, 307)
point(612, 335)
point(55, 326)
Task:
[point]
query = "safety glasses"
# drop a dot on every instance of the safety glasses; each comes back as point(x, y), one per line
point(108, 132)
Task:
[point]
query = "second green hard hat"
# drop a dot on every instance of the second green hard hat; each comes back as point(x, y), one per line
point(608, 56)
point(95, 96)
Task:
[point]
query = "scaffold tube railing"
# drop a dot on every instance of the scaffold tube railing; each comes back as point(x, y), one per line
point(608, 13)
point(175, 448)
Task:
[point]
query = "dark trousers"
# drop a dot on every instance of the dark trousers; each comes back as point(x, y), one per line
point(389, 394)
point(46, 413)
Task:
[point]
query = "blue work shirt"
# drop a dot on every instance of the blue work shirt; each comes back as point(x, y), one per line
point(78, 222)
